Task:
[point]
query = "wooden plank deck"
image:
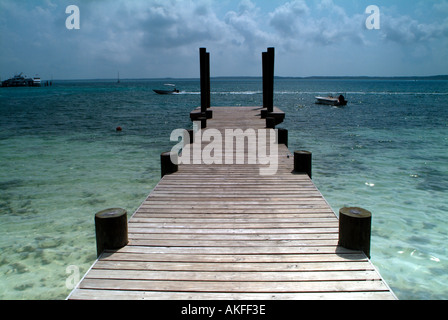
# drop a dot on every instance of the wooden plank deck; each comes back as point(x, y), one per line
point(227, 232)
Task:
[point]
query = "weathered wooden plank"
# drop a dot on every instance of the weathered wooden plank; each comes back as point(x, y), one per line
point(128, 254)
point(241, 250)
point(93, 294)
point(234, 276)
point(210, 219)
point(235, 267)
point(231, 225)
point(238, 217)
point(175, 203)
point(239, 207)
point(233, 237)
point(233, 243)
point(233, 231)
point(234, 286)
point(235, 210)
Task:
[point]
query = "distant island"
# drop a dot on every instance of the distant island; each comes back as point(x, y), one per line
point(411, 78)
point(435, 77)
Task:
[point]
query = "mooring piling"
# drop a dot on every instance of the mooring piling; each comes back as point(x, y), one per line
point(166, 163)
point(355, 229)
point(303, 162)
point(111, 228)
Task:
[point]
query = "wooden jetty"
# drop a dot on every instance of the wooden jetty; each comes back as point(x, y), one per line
point(223, 231)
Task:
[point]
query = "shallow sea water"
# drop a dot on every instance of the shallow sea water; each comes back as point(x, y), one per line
point(62, 161)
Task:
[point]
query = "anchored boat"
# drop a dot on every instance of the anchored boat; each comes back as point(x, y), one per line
point(19, 80)
point(332, 101)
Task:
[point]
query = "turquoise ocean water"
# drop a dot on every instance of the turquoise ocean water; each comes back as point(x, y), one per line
point(62, 160)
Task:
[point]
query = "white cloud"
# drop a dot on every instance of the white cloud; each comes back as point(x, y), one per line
point(406, 30)
point(300, 28)
point(286, 18)
point(441, 6)
point(245, 27)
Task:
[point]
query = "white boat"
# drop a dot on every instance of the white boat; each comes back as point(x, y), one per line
point(36, 81)
point(332, 101)
point(19, 80)
point(171, 91)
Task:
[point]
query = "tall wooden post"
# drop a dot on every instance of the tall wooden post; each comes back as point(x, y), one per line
point(264, 61)
point(207, 74)
point(268, 59)
point(204, 64)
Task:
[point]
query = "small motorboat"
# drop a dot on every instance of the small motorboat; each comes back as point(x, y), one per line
point(166, 91)
point(332, 101)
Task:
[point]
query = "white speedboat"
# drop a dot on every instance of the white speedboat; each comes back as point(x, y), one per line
point(171, 91)
point(332, 101)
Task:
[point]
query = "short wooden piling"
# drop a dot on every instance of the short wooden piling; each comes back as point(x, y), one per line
point(270, 122)
point(166, 164)
point(355, 229)
point(282, 136)
point(203, 121)
point(190, 136)
point(111, 228)
point(263, 113)
point(209, 114)
point(303, 162)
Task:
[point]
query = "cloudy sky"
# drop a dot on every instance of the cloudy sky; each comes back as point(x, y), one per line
point(161, 38)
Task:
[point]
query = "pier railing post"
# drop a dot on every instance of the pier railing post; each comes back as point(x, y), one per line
point(207, 83)
point(203, 122)
point(270, 122)
point(264, 62)
point(303, 162)
point(166, 164)
point(204, 64)
point(355, 229)
point(191, 135)
point(111, 228)
point(268, 59)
